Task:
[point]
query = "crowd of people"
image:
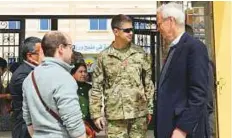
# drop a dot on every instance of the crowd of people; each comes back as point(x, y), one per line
point(51, 95)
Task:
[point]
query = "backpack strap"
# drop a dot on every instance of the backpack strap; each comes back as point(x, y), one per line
point(55, 115)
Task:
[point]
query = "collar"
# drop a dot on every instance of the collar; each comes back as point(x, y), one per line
point(130, 49)
point(81, 83)
point(28, 63)
point(175, 41)
point(52, 60)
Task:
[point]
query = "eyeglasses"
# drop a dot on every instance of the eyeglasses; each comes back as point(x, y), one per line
point(126, 30)
point(70, 45)
point(33, 53)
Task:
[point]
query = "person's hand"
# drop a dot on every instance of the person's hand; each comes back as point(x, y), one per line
point(177, 133)
point(89, 131)
point(8, 96)
point(100, 123)
point(149, 117)
point(5, 96)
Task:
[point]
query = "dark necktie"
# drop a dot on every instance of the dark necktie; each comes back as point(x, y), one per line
point(168, 60)
point(170, 50)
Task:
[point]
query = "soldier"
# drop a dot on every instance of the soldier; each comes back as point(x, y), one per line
point(123, 77)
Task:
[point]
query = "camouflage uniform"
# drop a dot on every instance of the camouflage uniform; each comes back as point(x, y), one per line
point(118, 128)
point(123, 77)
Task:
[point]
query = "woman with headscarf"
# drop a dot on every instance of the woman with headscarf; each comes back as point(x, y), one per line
point(79, 73)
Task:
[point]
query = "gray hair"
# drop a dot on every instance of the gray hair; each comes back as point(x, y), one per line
point(29, 45)
point(174, 10)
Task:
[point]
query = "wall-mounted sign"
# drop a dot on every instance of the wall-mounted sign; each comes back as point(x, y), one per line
point(90, 47)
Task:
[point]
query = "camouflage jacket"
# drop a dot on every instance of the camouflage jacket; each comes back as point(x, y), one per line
point(123, 78)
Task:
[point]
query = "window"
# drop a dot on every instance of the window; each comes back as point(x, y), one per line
point(45, 24)
point(98, 24)
point(139, 25)
point(14, 24)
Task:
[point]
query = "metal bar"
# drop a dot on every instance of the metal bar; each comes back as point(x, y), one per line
point(8, 47)
point(19, 17)
point(21, 37)
point(3, 44)
point(158, 48)
point(54, 24)
point(153, 64)
point(10, 30)
point(144, 31)
point(14, 45)
point(144, 21)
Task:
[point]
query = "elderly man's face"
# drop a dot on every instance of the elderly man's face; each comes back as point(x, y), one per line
point(164, 26)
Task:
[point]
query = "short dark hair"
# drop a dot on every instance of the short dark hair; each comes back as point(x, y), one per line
point(29, 45)
point(77, 66)
point(3, 63)
point(118, 20)
point(77, 57)
point(51, 41)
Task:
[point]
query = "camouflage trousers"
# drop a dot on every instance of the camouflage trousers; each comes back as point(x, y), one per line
point(127, 128)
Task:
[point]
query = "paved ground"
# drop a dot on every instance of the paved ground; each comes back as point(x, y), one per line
point(7, 134)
